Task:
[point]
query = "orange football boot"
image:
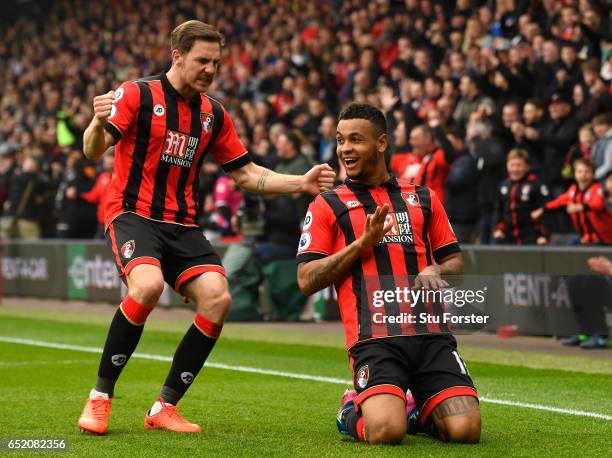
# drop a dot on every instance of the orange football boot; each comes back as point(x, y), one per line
point(94, 418)
point(169, 419)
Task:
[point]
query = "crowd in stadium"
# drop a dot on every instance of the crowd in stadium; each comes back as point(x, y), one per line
point(490, 103)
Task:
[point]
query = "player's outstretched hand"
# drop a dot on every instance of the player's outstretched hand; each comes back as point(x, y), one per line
point(318, 179)
point(429, 278)
point(103, 105)
point(376, 227)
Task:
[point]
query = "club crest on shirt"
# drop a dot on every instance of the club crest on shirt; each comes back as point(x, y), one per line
point(525, 192)
point(411, 198)
point(362, 376)
point(207, 121)
point(128, 248)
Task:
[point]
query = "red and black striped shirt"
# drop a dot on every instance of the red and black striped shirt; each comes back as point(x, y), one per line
point(161, 140)
point(420, 235)
point(594, 222)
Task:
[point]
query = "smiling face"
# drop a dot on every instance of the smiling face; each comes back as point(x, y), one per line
point(361, 149)
point(198, 66)
point(517, 168)
point(583, 175)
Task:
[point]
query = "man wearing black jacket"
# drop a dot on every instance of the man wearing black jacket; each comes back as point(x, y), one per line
point(556, 136)
point(461, 187)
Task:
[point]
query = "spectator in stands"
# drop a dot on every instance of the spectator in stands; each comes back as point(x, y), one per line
point(25, 197)
point(227, 201)
point(489, 155)
point(602, 148)
point(462, 189)
point(7, 170)
point(77, 218)
point(99, 192)
point(608, 190)
point(585, 203)
point(511, 114)
point(427, 164)
point(519, 195)
point(582, 149)
point(327, 139)
point(470, 100)
point(556, 136)
point(283, 214)
point(533, 117)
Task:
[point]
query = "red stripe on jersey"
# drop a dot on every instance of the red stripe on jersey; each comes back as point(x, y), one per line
point(367, 260)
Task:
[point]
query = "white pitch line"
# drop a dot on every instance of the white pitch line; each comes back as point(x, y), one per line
point(314, 378)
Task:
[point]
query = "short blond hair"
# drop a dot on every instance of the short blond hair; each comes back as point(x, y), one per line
point(518, 153)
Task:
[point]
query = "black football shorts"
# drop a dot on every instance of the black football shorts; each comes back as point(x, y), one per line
point(427, 365)
point(182, 252)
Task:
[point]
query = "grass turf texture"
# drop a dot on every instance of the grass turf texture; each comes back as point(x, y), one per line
point(244, 414)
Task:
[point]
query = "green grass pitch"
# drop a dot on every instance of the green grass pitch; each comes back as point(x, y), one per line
point(250, 414)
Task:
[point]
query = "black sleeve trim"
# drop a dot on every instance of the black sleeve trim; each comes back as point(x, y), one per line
point(237, 163)
point(113, 130)
point(445, 250)
point(307, 257)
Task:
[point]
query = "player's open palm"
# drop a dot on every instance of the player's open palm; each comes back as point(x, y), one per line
point(376, 226)
point(103, 104)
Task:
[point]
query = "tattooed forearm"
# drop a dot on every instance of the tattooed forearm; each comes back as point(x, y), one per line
point(324, 275)
point(316, 275)
point(459, 405)
point(261, 183)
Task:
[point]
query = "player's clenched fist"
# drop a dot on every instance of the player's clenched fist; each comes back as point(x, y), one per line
point(103, 104)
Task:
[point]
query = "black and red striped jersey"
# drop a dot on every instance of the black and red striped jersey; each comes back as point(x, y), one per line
point(594, 222)
point(420, 235)
point(515, 202)
point(161, 140)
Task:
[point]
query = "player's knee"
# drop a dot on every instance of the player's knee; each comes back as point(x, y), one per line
point(463, 429)
point(385, 431)
point(217, 302)
point(147, 291)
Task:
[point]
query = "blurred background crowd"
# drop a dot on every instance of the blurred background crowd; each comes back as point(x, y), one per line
point(490, 103)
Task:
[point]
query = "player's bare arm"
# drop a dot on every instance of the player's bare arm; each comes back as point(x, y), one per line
point(96, 140)
point(431, 276)
point(254, 178)
point(321, 273)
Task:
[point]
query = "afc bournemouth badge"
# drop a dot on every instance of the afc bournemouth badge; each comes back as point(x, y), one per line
point(207, 121)
point(411, 198)
point(362, 376)
point(127, 250)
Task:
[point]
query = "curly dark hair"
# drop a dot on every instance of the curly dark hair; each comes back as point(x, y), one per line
point(367, 112)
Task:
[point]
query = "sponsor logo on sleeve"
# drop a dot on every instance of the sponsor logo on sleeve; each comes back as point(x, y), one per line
point(305, 241)
point(118, 94)
point(159, 110)
point(307, 221)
